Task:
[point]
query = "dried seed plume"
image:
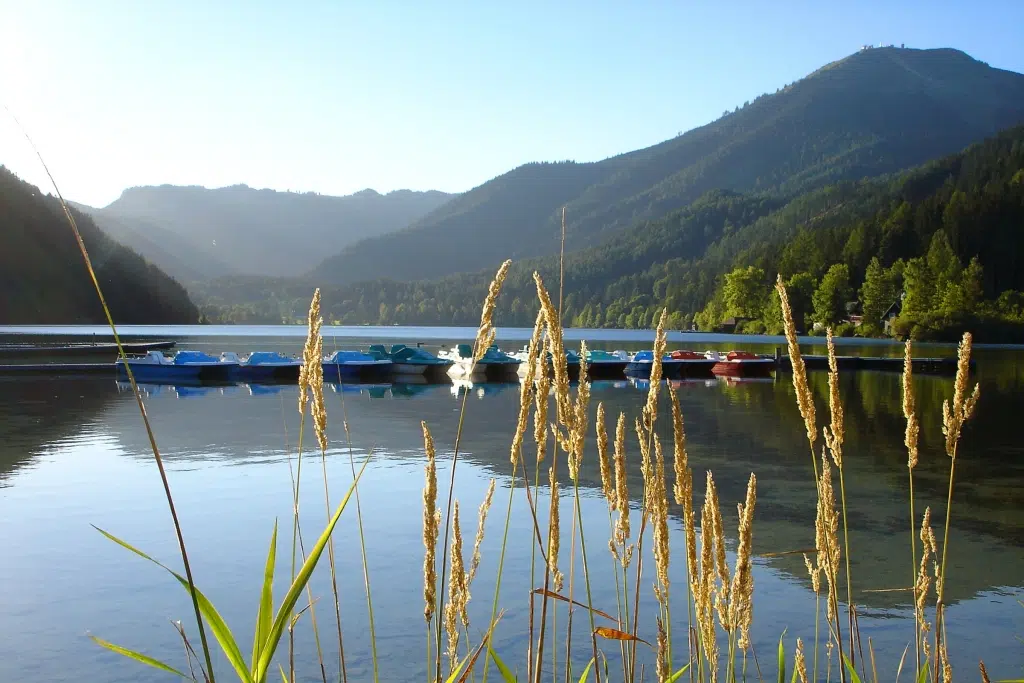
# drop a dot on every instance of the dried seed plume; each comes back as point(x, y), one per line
point(481, 521)
point(485, 334)
point(431, 523)
point(607, 485)
point(834, 433)
point(953, 418)
point(804, 398)
point(741, 602)
point(909, 411)
point(526, 388)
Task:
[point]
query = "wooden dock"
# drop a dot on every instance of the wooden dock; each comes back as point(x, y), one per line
point(100, 349)
point(58, 370)
point(928, 366)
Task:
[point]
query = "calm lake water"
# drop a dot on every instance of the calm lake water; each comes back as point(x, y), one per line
point(73, 453)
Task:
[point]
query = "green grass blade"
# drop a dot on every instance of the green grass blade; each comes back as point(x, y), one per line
point(586, 671)
point(220, 631)
point(922, 676)
point(284, 676)
point(506, 673)
point(899, 669)
point(679, 674)
point(137, 656)
point(299, 584)
point(129, 546)
point(217, 625)
point(854, 678)
point(457, 670)
point(782, 658)
point(265, 614)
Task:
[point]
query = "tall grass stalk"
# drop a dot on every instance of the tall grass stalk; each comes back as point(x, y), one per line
point(572, 594)
point(165, 482)
point(910, 441)
point(297, 547)
point(484, 338)
point(834, 440)
point(954, 416)
point(362, 549)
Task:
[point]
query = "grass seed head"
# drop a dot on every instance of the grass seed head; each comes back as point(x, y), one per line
point(554, 531)
point(659, 516)
point(799, 662)
point(458, 588)
point(556, 348)
point(651, 409)
point(486, 333)
point(431, 523)
point(680, 460)
point(834, 435)
point(909, 410)
point(526, 388)
point(622, 531)
point(481, 521)
point(607, 486)
point(704, 595)
point(540, 414)
point(742, 590)
point(963, 406)
point(662, 670)
point(804, 398)
point(815, 573)
point(924, 581)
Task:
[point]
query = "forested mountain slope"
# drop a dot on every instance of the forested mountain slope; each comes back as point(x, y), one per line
point(874, 112)
point(963, 207)
point(43, 279)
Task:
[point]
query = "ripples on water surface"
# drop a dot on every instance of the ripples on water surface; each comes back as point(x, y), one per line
point(74, 453)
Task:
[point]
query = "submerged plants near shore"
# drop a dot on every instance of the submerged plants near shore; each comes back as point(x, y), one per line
point(700, 631)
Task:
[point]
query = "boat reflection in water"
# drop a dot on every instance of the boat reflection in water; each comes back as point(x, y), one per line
point(180, 388)
point(480, 389)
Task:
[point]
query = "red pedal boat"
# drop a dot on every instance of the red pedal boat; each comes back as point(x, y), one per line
point(740, 364)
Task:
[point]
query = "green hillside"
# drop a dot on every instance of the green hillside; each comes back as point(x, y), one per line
point(43, 279)
point(928, 223)
point(875, 112)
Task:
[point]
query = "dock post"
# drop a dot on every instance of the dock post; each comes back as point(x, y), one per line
point(778, 354)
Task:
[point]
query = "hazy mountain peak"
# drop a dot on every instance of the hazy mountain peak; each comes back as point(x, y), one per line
point(197, 233)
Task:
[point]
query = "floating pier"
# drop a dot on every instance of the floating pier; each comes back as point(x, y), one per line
point(102, 349)
point(930, 366)
point(58, 369)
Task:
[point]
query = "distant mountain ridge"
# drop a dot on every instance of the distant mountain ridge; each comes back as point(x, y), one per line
point(877, 111)
point(43, 279)
point(197, 233)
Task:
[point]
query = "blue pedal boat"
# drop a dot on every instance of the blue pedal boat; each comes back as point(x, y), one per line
point(411, 361)
point(185, 366)
point(355, 366)
point(265, 366)
point(642, 361)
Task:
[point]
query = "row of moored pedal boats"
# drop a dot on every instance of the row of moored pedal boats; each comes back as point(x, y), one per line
point(379, 363)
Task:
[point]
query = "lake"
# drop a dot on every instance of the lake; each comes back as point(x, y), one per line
point(74, 453)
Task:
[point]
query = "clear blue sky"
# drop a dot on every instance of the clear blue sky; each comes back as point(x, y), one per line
point(339, 96)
